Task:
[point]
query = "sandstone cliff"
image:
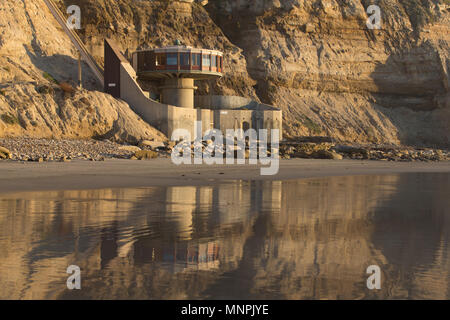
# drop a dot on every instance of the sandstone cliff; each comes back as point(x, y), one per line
point(332, 76)
point(38, 72)
point(316, 60)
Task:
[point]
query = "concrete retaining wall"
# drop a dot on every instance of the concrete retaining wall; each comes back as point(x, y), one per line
point(164, 117)
point(248, 119)
point(168, 118)
point(229, 102)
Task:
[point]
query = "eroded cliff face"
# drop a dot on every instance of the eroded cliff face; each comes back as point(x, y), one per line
point(38, 75)
point(318, 61)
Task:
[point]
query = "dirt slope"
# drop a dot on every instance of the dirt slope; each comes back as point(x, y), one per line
point(36, 59)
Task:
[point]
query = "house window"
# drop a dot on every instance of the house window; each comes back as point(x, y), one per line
point(214, 61)
point(160, 59)
point(206, 60)
point(184, 59)
point(196, 59)
point(172, 59)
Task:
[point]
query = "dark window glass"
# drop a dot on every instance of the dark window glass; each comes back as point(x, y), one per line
point(184, 59)
point(160, 59)
point(196, 59)
point(172, 59)
point(141, 60)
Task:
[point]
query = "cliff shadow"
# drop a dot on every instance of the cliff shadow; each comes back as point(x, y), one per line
point(64, 68)
point(412, 92)
point(411, 230)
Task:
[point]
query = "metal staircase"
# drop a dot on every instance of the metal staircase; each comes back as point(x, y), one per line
point(62, 20)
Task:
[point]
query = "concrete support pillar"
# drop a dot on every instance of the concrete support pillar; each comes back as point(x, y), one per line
point(178, 92)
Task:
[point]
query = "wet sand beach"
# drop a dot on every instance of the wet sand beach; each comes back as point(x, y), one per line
point(116, 173)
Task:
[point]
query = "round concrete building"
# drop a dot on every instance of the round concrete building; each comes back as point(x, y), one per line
point(176, 68)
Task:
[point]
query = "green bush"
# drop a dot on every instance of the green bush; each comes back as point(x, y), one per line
point(50, 78)
point(9, 119)
point(311, 125)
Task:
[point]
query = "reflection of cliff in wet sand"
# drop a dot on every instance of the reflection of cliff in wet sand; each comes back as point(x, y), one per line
point(298, 239)
point(79, 175)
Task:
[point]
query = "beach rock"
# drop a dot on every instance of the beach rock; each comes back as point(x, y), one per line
point(326, 154)
point(336, 156)
point(151, 144)
point(439, 155)
point(145, 154)
point(301, 154)
point(4, 153)
point(287, 150)
point(130, 148)
point(312, 147)
point(353, 152)
point(171, 144)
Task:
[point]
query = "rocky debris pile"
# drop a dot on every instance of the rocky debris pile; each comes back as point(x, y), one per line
point(83, 115)
point(41, 150)
point(331, 150)
point(215, 150)
point(144, 154)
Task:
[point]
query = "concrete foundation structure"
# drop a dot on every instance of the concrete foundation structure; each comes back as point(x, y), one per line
point(178, 92)
point(176, 68)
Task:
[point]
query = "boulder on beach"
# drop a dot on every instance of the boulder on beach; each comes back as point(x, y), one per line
point(130, 148)
point(4, 153)
point(145, 154)
point(151, 144)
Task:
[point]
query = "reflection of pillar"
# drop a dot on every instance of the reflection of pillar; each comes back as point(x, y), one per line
point(256, 195)
point(271, 196)
point(178, 92)
point(108, 245)
point(233, 202)
point(181, 202)
point(205, 197)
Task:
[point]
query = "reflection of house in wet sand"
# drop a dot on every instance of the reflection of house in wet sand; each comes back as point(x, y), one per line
point(293, 239)
point(190, 255)
point(190, 213)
